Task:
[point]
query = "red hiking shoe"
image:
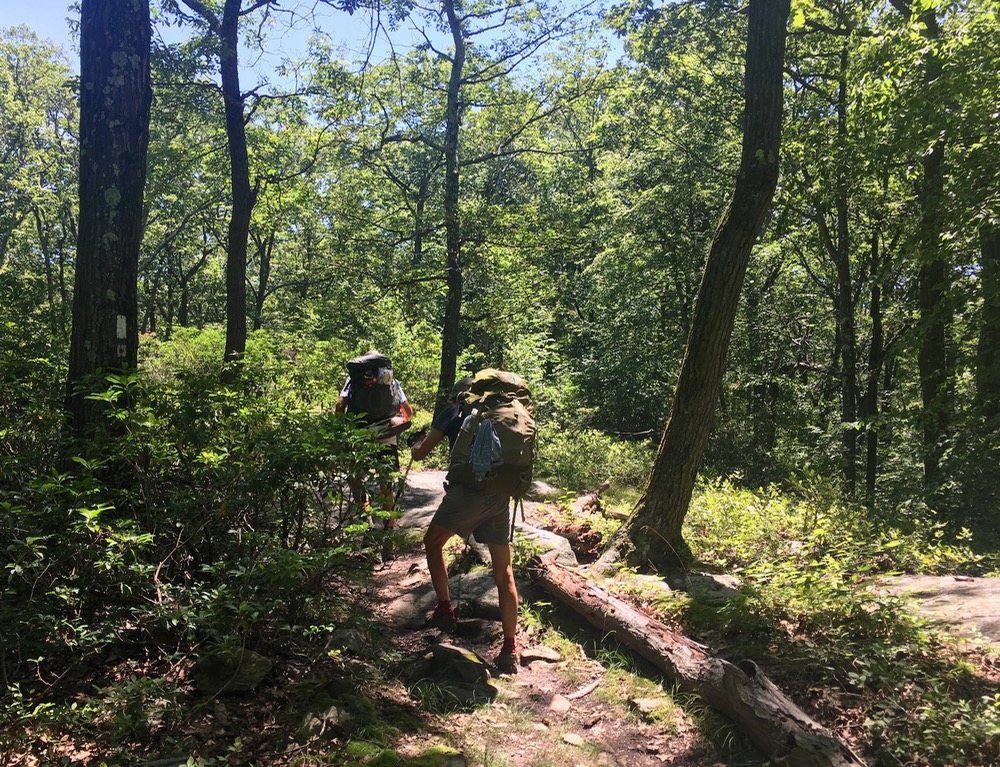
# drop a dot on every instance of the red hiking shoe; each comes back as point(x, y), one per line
point(443, 618)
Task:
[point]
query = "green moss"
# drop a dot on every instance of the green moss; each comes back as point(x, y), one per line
point(362, 749)
point(433, 757)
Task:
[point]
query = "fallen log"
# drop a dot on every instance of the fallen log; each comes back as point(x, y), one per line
point(781, 730)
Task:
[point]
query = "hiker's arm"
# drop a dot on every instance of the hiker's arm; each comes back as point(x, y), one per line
point(341, 405)
point(423, 448)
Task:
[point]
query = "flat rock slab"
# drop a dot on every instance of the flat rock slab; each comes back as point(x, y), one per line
point(968, 606)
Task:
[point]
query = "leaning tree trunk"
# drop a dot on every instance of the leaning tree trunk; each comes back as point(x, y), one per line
point(779, 728)
point(115, 97)
point(453, 235)
point(652, 535)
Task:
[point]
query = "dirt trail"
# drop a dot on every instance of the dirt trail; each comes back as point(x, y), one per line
point(562, 709)
point(966, 606)
point(566, 708)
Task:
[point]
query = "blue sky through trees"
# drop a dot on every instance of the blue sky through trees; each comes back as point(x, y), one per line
point(54, 20)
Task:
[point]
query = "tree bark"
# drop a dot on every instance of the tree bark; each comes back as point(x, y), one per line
point(244, 196)
point(652, 535)
point(226, 30)
point(875, 360)
point(779, 728)
point(115, 98)
point(453, 233)
point(847, 331)
point(265, 248)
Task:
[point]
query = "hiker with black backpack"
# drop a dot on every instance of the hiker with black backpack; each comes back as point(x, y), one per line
point(492, 420)
point(372, 392)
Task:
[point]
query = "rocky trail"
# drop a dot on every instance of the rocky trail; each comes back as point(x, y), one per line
point(565, 707)
point(561, 708)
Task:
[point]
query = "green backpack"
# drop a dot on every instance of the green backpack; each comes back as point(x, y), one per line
point(495, 449)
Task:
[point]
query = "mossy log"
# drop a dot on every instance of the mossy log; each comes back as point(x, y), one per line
point(740, 691)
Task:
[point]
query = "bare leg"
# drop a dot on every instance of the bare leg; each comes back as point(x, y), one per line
point(389, 504)
point(434, 540)
point(503, 576)
point(358, 493)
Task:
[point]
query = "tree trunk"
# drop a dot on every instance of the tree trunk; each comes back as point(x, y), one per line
point(244, 196)
point(264, 251)
point(115, 98)
point(932, 278)
point(845, 298)
point(988, 352)
point(779, 728)
point(652, 535)
point(453, 234)
point(226, 31)
point(875, 361)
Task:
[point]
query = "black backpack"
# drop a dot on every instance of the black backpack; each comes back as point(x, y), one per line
point(374, 392)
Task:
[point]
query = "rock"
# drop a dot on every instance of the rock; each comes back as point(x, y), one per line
point(706, 585)
point(315, 724)
point(475, 594)
point(449, 676)
point(540, 653)
point(546, 544)
point(542, 491)
point(968, 607)
point(231, 671)
point(352, 640)
point(560, 704)
point(573, 739)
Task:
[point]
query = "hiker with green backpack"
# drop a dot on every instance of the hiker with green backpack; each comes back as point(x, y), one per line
point(372, 393)
point(491, 427)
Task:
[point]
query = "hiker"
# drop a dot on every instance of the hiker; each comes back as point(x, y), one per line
point(372, 391)
point(447, 424)
point(479, 506)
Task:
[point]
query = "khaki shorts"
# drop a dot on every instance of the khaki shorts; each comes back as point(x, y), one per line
point(465, 510)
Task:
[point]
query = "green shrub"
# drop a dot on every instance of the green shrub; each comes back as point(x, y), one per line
point(204, 514)
point(583, 460)
point(810, 567)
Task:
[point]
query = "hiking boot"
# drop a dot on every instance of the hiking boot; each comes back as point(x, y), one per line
point(507, 662)
point(442, 618)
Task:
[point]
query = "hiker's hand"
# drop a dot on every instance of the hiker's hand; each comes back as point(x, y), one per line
point(414, 438)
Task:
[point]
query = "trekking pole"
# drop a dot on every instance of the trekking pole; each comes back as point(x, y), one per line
point(461, 572)
point(402, 484)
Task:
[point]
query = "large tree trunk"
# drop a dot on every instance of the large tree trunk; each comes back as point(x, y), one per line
point(453, 233)
point(115, 97)
point(779, 728)
point(652, 535)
